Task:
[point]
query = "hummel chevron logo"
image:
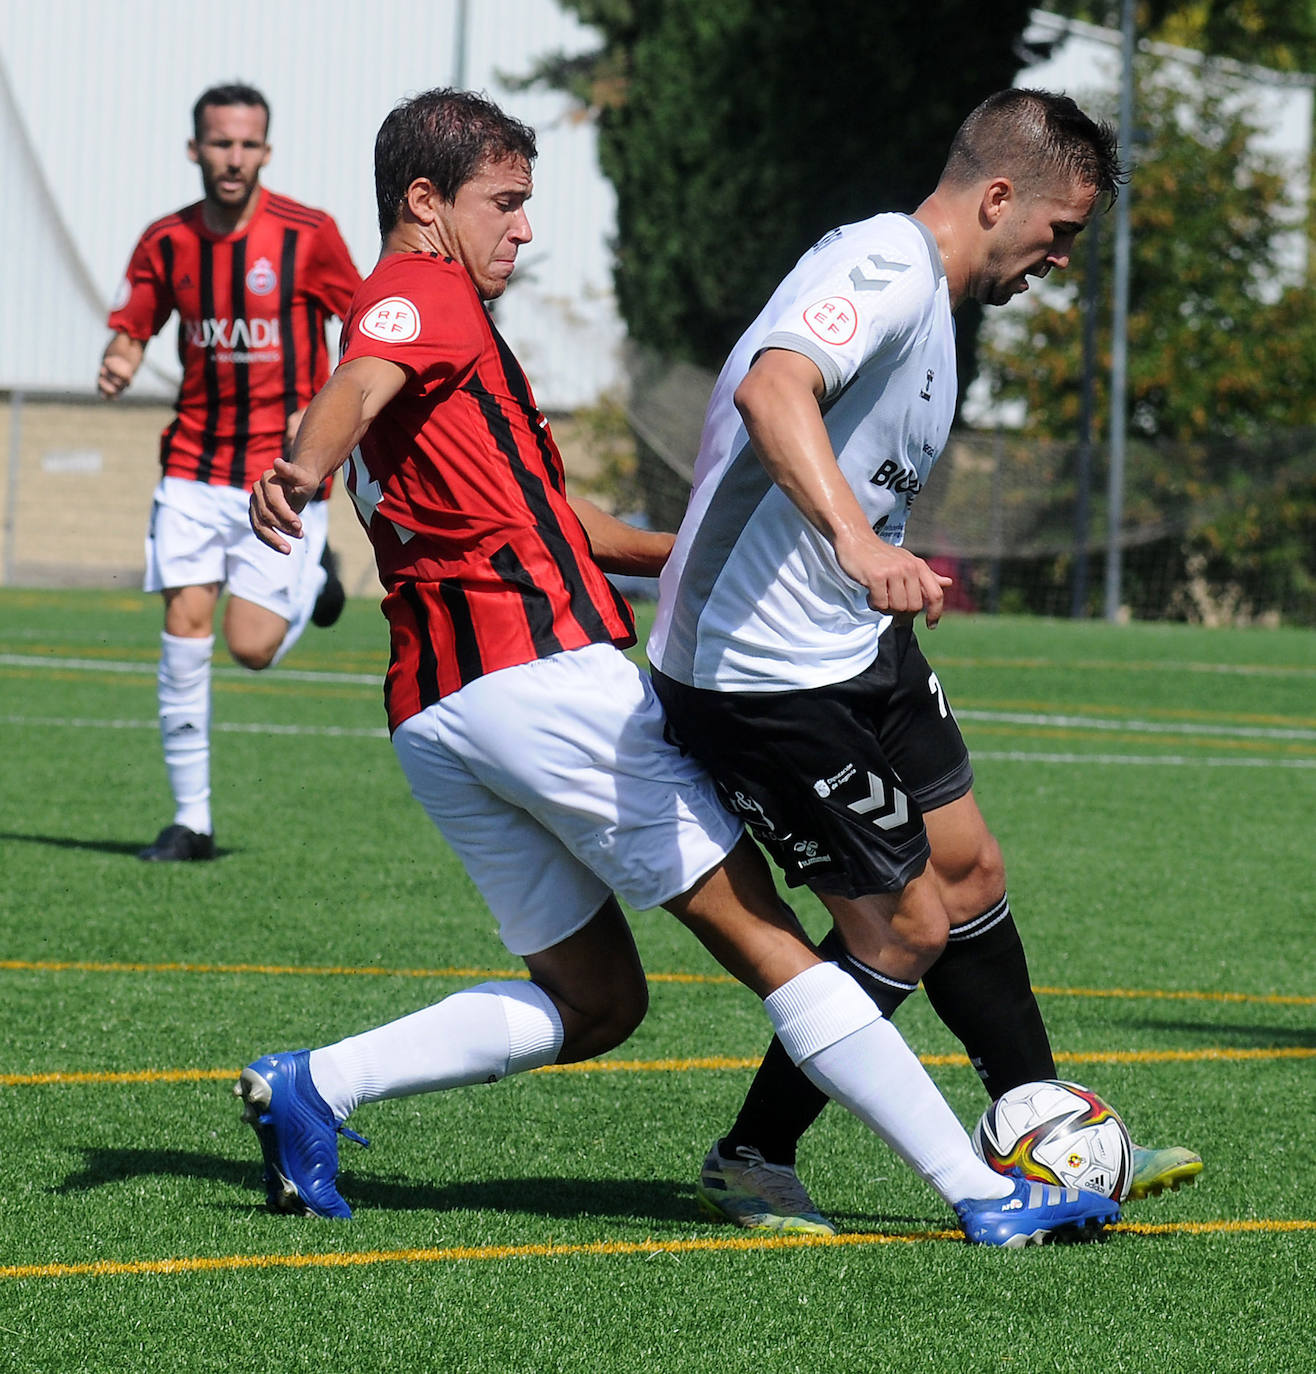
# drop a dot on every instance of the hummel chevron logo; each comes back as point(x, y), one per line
point(886, 271)
point(876, 800)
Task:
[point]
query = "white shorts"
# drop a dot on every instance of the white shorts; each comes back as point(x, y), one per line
point(554, 785)
point(200, 534)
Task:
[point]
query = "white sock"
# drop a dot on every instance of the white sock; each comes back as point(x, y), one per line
point(182, 690)
point(845, 1046)
point(478, 1035)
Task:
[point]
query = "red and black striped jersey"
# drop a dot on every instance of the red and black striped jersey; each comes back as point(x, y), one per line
point(252, 307)
point(461, 489)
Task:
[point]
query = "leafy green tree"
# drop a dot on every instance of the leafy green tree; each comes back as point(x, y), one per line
point(1221, 364)
point(737, 133)
point(1271, 33)
point(1219, 347)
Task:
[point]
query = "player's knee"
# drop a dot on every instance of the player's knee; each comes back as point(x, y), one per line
point(623, 1021)
point(625, 1012)
point(252, 653)
point(599, 1017)
point(974, 881)
point(922, 938)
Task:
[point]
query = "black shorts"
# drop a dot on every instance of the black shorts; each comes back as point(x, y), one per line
point(833, 781)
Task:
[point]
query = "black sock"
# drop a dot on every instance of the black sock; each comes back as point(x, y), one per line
point(782, 1103)
point(980, 989)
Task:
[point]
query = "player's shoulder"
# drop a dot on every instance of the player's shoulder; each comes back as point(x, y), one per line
point(294, 212)
point(427, 273)
point(170, 223)
point(885, 272)
point(414, 292)
point(897, 240)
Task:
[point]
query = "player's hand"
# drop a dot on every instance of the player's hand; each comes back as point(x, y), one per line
point(277, 501)
point(114, 376)
point(898, 582)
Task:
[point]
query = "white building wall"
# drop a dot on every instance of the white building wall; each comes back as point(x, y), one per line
point(95, 102)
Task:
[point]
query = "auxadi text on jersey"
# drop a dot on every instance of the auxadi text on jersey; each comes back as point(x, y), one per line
point(234, 336)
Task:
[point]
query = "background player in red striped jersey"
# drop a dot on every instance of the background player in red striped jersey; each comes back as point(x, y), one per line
point(253, 277)
point(532, 742)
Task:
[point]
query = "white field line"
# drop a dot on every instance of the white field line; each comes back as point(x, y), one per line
point(1036, 720)
point(979, 755)
point(1085, 665)
point(1145, 727)
point(220, 726)
point(148, 669)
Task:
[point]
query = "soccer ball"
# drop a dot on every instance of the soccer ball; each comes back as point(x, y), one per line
point(1057, 1132)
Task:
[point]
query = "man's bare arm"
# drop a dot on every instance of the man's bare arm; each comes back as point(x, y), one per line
point(619, 547)
point(330, 429)
point(119, 363)
point(779, 402)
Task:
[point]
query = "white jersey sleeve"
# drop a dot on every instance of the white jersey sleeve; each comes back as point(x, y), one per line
point(839, 311)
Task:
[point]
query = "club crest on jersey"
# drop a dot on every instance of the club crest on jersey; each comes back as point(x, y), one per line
point(833, 320)
point(395, 320)
point(262, 279)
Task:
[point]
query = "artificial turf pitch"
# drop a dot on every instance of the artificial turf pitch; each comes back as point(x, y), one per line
point(1154, 788)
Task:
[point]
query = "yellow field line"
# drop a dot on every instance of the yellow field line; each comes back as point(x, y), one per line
point(1186, 995)
point(707, 1062)
point(351, 1259)
point(368, 971)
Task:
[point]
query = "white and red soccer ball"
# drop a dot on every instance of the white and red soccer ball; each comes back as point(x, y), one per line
point(1058, 1132)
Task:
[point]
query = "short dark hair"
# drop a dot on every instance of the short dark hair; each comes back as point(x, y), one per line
point(445, 135)
point(233, 93)
point(1035, 137)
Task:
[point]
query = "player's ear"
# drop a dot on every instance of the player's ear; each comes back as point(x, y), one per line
point(996, 198)
point(193, 153)
point(423, 200)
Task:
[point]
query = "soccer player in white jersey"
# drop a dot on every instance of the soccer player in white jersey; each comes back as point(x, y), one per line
point(784, 650)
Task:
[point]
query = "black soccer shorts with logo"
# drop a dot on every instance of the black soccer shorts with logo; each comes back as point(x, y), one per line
point(833, 781)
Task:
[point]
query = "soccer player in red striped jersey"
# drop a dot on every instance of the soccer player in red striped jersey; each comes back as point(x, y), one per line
point(253, 277)
point(534, 744)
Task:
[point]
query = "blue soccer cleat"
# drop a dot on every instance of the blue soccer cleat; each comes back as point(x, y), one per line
point(1035, 1213)
point(298, 1135)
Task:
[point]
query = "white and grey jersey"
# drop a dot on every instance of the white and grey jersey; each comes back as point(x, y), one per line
point(752, 598)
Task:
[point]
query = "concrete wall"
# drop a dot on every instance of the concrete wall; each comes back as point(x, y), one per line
point(75, 494)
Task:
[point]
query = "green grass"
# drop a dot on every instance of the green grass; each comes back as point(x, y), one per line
point(1155, 791)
